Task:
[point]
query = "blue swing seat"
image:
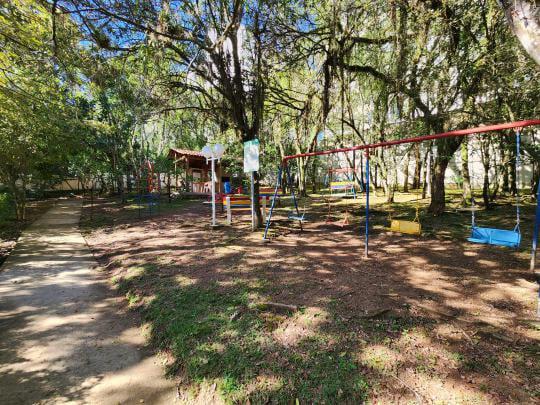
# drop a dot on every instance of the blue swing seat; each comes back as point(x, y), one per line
point(295, 217)
point(493, 236)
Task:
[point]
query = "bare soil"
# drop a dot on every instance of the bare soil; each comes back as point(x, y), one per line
point(427, 320)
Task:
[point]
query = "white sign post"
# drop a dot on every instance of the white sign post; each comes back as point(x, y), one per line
point(213, 153)
point(251, 165)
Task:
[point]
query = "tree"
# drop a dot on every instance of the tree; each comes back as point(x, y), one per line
point(36, 126)
point(220, 50)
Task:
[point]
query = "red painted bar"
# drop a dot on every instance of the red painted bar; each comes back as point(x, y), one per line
point(450, 134)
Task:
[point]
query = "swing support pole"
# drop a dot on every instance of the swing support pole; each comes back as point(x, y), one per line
point(269, 219)
point(293, 194)
point(536, 231)
point(366, 240)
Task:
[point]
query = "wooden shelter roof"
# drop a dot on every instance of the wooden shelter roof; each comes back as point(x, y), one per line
point(176, 153)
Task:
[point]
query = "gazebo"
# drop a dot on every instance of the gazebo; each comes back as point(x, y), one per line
point(197, 173)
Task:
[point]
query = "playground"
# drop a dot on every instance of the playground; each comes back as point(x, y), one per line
point(430, 318)
point(269, 202)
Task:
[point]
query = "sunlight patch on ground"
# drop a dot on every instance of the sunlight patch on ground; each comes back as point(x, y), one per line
point(489, 263)
point(185, 281)
point(302, 325)
point(426, 371)
point(380, 358)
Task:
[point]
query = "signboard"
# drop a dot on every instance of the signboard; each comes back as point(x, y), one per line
point(251, 156)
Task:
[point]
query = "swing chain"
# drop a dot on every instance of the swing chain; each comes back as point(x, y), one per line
point(518, 178)
point(473, 212)
point(417, 216)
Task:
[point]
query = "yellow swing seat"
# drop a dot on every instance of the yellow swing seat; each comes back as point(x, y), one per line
point(408, 227)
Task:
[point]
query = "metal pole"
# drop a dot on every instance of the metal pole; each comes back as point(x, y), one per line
point(518, 177)
point(252, 191)
point(450, 134)
point(213, 187)
point(366, 244)
point(269, 219)
point(536, 231)
point(534, 247)
point(293, 195)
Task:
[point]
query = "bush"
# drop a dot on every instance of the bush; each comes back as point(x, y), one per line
point(6, 206)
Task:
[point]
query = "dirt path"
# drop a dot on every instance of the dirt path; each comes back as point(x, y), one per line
point(63, 337)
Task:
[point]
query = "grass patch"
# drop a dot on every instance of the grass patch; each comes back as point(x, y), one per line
point(240, 356)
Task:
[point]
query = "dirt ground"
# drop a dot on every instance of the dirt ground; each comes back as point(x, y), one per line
point(424, 319)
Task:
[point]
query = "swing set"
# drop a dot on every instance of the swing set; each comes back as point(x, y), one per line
point(340, 187)
point(490, 236)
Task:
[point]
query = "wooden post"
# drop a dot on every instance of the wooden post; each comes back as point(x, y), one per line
point(264, 207)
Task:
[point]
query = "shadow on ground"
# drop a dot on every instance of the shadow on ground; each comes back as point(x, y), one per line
point(422, 319)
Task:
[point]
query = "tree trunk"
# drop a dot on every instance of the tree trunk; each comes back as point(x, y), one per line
point(423, 179)
point(512, 169)
point(445, 150)
point(486, 156)
point(129, 182)
point(535, 179)
point(505, 173)
point(258, 213)
point(302, 180)
point(19, 199)
point(417, 167)
point(406, 172)
point(465, 174)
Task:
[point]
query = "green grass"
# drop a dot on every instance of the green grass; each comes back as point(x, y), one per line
point(195, 324)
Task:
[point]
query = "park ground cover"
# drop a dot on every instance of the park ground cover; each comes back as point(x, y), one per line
point(429, 319)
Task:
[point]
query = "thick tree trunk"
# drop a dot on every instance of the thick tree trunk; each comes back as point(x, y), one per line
point(258, 213)
point(438, 196)
point(445, 150)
